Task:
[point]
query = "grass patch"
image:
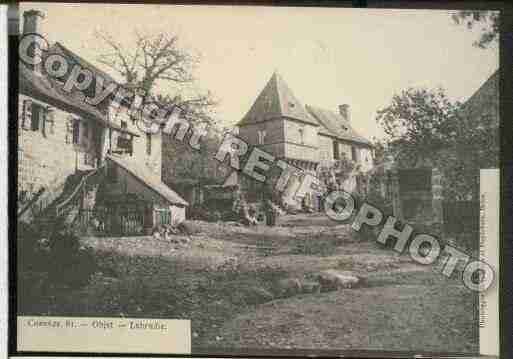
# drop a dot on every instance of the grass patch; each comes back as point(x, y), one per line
point(157, 287)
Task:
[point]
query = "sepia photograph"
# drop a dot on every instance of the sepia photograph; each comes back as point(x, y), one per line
point(254, 179)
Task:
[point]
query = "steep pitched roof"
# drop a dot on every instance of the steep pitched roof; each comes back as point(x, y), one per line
point(44, 88)
point(333, 124)
point(75, 58)
point(276, 100)
point(48, 90)
point(486, 96)
point(149, 180)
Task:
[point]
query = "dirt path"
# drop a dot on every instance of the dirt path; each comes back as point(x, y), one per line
point(414, 311)
point(401, 306)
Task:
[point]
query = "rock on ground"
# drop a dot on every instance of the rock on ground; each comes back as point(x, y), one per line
point(334, 280)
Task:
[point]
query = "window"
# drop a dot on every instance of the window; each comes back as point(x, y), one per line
point(49, 121)
point(148, 144)
point(38, 114)
point(124, 144)
point(336, 151)
point(36, 117)
point(76, 132)
point(354, 154)
point(261, 137)
point(112, 173)
point(86, 130)
point(26, 114)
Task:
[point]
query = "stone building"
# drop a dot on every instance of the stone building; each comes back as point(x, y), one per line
point(83, 161)
point(305, 136)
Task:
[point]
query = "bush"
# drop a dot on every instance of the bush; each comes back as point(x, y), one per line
point(45, 264)
point(73, 264)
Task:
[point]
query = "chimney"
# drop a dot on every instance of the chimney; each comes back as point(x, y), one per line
point(31, 21)
point(345, 112)
point(31, 25)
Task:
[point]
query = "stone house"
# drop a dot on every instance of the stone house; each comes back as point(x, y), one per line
point(83, 162)
point(306, 136)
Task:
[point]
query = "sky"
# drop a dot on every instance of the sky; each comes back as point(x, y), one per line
point(328, 56)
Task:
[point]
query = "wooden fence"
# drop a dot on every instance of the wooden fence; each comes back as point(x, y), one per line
point(123, 221)
point(105, 221)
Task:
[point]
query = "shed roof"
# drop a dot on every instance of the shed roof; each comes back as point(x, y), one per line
point(148, 179)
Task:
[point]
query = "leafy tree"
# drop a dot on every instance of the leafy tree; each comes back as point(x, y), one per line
point(489, 21)
point(424, 128)
point(181, 162)
point(418, 123)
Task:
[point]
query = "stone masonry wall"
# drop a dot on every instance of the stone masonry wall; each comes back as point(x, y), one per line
point(46, 159)
point(153, 160)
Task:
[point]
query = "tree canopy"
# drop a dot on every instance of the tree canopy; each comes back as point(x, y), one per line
point(423, 127)
point(489, 21)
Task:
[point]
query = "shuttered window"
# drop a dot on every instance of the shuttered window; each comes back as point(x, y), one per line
point(37, 117)
point(36, 121)
point(336, 151)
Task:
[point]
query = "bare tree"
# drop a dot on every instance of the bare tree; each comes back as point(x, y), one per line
point(155, 61)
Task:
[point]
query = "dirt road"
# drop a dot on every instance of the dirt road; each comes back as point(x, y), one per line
point(222, 279)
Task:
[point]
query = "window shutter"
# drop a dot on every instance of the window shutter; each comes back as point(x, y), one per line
point(76, 132)
point(43, 116)
point(36, 113)
point(49, 121)
point(27, 114)
point(69, 129)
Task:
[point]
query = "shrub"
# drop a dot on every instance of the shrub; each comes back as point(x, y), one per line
point(58, 261)
point(73, 264)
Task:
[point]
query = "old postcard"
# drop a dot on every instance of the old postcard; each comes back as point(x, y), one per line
point(244, 180)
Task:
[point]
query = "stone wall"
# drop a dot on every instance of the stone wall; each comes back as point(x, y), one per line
point(363, 153)
point(153, 160)
point(292, 133)
point(47, 158)
point(274, 133)
point(419, 198)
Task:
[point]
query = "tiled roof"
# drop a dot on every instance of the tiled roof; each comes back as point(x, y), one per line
point(149, 180)
point(48, 90)
point(276, 100)
point(60, 48)
point(487, 95)
point(333, 124)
